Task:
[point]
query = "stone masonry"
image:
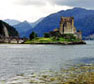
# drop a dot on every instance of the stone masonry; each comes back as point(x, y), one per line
point(67, 25)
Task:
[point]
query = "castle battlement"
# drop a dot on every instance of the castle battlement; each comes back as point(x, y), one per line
point(66, 19)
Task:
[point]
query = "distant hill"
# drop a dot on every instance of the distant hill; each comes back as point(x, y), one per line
point(11, 30)
point(22, 28)
point(11, 22)
point(36, 22)
point(84, 20)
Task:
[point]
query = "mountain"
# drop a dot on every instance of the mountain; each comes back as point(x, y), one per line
point(22, 28)
point(84, 20)
point(11, 22)
point(10, 30)
point(36, 22)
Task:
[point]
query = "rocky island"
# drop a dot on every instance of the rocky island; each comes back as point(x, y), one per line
point(66, 34)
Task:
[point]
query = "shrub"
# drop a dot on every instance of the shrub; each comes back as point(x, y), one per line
point(46, 35)
point(32, 35)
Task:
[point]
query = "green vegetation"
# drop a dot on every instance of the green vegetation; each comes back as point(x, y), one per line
point(32, 35)
point(39, 40)
point(52, 38)
point(46, 35)
point(62, 39)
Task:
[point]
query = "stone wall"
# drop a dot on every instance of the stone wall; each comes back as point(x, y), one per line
point(67, 25)
point(78, 35)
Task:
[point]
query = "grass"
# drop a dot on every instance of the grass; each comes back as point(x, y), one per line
point(40, 40)
point(51, 40)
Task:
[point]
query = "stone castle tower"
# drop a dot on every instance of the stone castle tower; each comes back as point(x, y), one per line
point(67, 25)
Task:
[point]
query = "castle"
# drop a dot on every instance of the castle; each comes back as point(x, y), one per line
point(67, 27)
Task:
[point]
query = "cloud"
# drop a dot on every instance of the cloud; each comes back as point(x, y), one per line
point(74, 3)
point(32, 10)
point(31, 2)
point(79, 3)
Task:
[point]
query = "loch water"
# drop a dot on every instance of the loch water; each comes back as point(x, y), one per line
point(17, 59)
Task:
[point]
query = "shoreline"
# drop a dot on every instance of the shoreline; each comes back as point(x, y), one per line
point(59, 43)
point(69, 43)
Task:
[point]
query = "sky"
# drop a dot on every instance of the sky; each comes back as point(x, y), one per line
point(32, 10)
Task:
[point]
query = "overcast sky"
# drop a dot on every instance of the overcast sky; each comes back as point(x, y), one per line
point(31, 10)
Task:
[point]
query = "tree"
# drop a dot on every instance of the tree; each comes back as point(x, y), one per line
point(46, 35)
point(32, 35)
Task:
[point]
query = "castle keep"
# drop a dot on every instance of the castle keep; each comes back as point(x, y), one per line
point(67, 27)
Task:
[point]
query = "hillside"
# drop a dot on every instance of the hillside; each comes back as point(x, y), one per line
point(22, 28)
point(36, 22)
point(11, 30)
point(84, 20)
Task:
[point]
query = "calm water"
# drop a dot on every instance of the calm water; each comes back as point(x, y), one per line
point(16, 59)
